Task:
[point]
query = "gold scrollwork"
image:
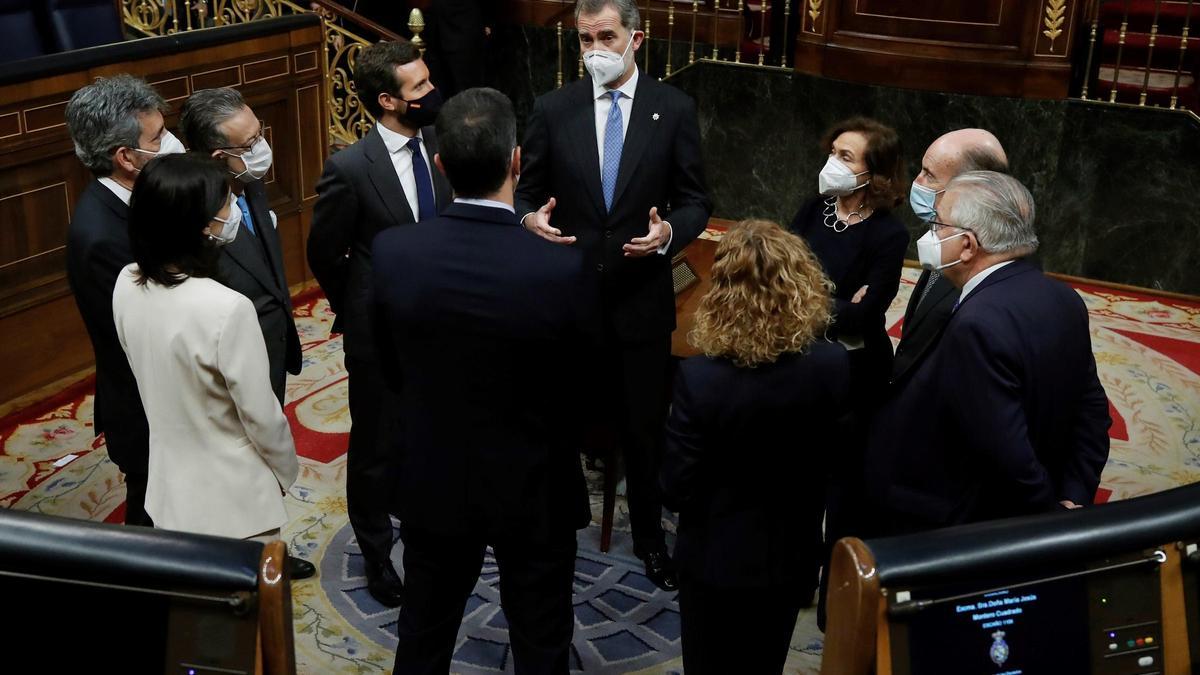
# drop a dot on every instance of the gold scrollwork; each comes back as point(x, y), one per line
point(145, 16)
point(814, 11)
point(1055, 17)
point(348, 118)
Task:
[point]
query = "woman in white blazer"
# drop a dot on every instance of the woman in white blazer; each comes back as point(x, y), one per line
point(221, 452)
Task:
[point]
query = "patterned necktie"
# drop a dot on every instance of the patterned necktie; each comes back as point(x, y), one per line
point(933, 279)
point(246, 220)
point(426, 204)
point(614, 140)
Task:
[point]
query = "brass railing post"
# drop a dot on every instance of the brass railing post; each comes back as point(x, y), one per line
point(670, 34)
point(737, 46)
point(1187, 24)
point(1112, 93)
point(1150, 53)
point(716, 56)
point(558, 79)
point(762, 30)
point(695, 20)
point(1087, 71)
point(787, 18)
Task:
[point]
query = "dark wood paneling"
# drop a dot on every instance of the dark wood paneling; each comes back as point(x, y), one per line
point(984, 47)
point(41, 335)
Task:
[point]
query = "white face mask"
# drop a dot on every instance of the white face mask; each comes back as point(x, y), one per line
point(929, 251)
point(837, 179)
point(605, 66)
point(257, 160)
point(167, 145)
point(229, 226)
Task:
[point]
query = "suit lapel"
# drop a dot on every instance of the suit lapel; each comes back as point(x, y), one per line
point(244, 251)
point(583, 132)
point(936, 295)
point(382, 173)
point(1018, 266)
point(264, 227)
point(113, 202)
point(642, 129)
point(442, 192)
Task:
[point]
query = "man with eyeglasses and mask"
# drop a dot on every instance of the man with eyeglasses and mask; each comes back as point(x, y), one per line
point(385, 180)
point(117, 126)
point(219, 123)
point(613, 167)
point(1006, 416)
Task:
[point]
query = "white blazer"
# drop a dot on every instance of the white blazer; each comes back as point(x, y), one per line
point(220, 446)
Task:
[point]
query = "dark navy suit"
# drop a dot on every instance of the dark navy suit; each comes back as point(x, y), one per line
point(478, 333)
point(1006, 417)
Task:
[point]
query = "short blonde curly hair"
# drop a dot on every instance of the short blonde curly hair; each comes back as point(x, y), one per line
point(769, 296)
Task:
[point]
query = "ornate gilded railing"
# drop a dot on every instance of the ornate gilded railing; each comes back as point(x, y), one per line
point(346, 34)
point(1137, 53)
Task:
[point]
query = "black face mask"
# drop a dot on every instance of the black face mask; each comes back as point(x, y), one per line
point(424, 111)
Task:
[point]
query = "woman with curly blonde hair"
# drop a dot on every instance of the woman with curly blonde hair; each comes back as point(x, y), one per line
point(748, 440)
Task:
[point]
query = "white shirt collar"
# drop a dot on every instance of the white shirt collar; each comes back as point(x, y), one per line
point(394, 141)
point(485, 202)
point(978, 279)
point(117, 189)
point(626, 89)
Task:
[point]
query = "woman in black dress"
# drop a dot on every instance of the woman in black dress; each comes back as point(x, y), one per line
point(861, 245)
point(749, 418)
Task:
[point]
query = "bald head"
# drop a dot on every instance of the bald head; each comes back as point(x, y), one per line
point(959, 152)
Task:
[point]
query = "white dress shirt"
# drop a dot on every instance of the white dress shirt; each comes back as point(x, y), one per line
point(119, 190)
point(485, 202)
point(602, 96)
point(402, 159)
point(978, 279)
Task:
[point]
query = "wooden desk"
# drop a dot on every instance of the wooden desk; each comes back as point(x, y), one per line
point(699, 255)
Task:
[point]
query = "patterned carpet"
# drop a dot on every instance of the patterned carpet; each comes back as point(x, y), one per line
point(1149, 363)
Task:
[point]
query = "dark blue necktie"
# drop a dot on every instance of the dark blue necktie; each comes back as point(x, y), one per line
point(246, 219)
point(426, 203)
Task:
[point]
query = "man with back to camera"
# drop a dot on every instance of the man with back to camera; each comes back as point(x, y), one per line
point(613, 168)
point(117, 126)
point(933, 297)
point(1007, 415)
point(475, 320)
point(218, 122)
point(387, 179)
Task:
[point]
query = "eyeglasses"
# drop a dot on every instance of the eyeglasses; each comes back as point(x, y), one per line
point(262, 129)
point(935, 225)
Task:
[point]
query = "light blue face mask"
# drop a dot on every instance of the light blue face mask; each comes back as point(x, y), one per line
point(922, 199)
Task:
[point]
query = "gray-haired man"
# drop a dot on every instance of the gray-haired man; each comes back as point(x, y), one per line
point(117, 126)
point(218, 122)
point(1007, 417)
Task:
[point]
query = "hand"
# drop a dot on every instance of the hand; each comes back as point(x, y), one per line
point(1067, 503)
point(538, 223)
point(487, 31)
point(660, 233)
point(858, 297)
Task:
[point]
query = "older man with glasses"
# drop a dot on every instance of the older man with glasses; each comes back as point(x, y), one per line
point(1007, 416)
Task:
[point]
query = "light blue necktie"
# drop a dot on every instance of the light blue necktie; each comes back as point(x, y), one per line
point(246, 219)
point(614, 140)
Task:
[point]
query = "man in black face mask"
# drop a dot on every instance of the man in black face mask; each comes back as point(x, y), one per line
point(384, 180)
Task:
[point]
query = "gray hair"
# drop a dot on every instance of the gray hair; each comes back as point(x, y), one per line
point(998, 208)
point(630, 17)
point(202, 115)
point(103, 116)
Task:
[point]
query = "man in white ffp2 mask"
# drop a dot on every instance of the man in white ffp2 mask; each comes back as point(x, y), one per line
point(612, 167)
